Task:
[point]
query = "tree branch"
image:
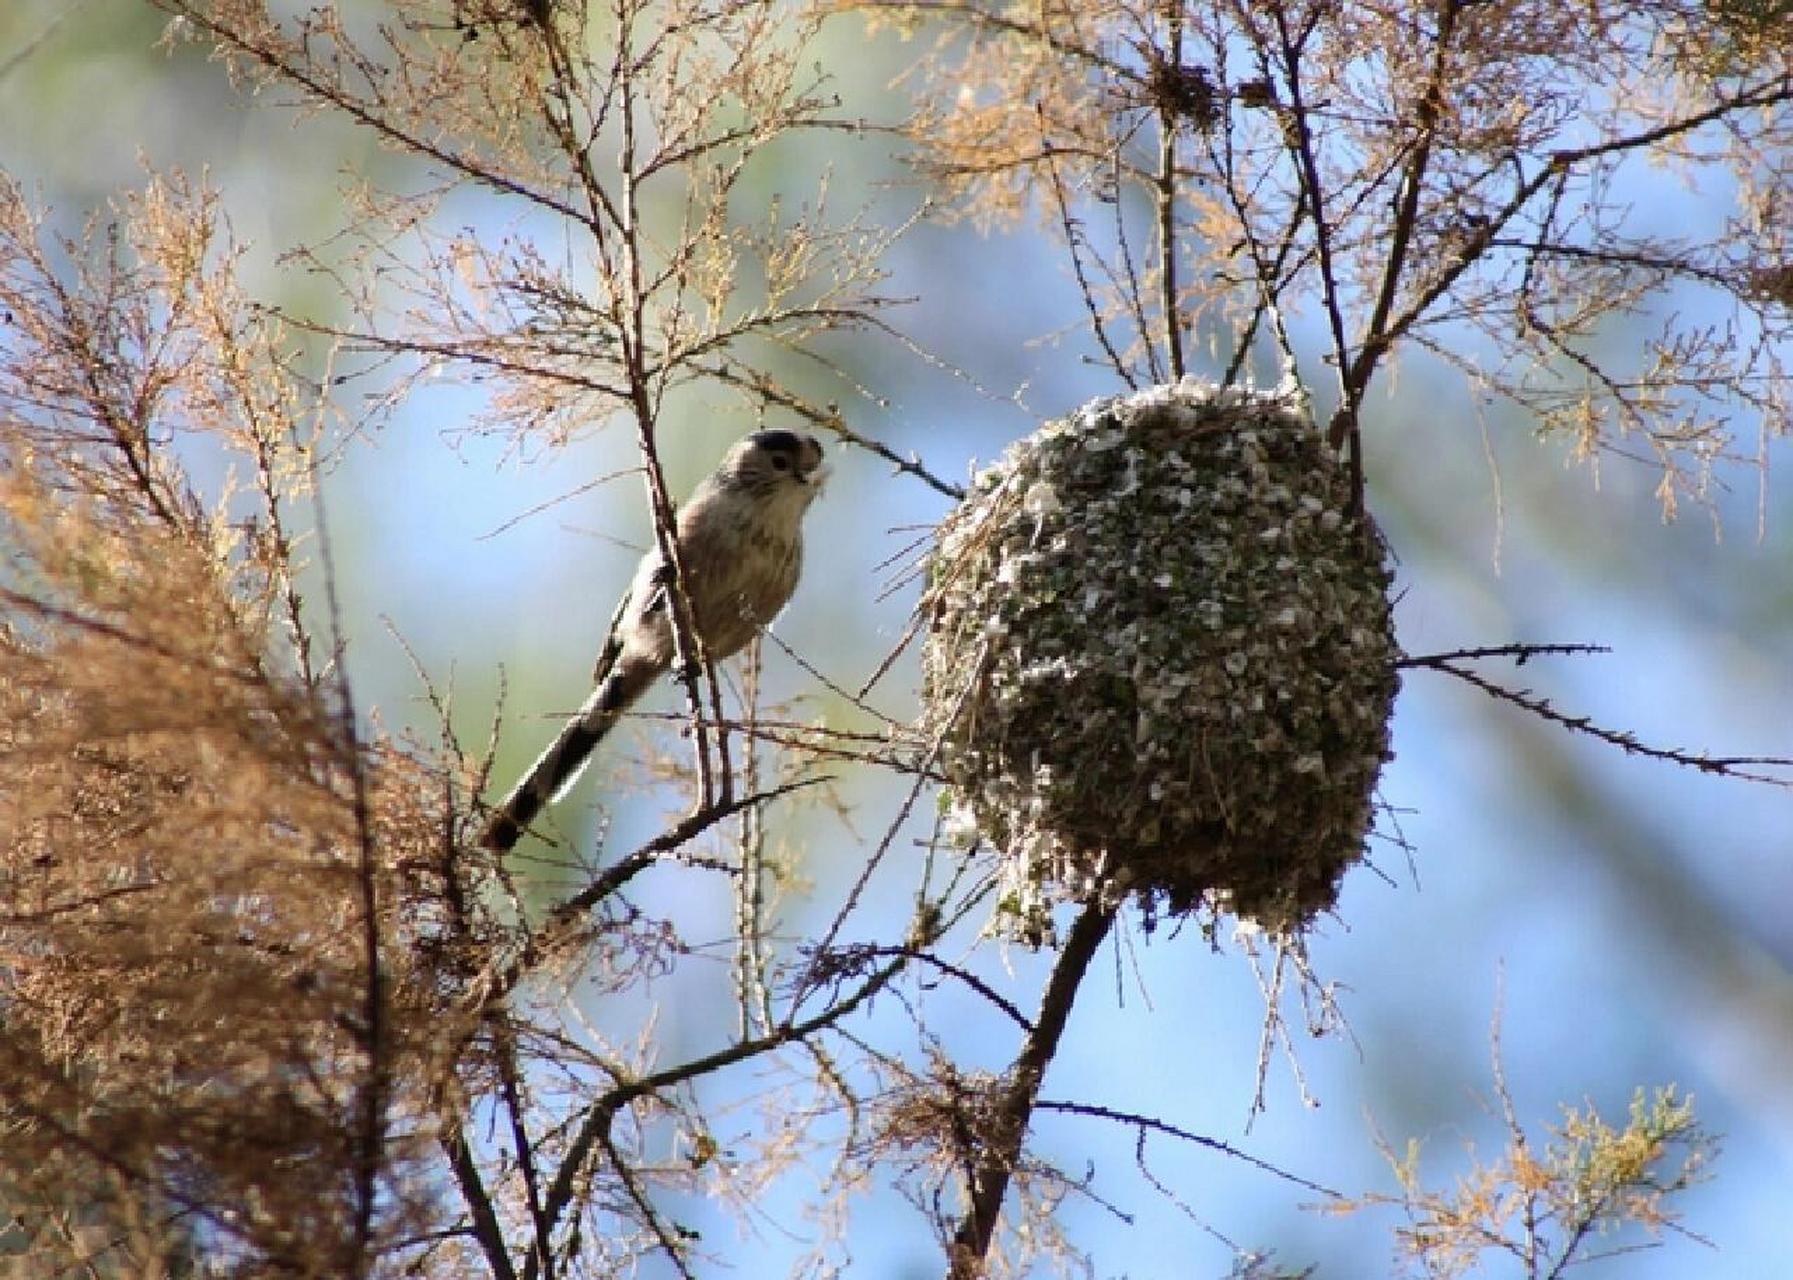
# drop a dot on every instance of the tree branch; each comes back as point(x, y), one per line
point(1745, 768)
point(996, 1164)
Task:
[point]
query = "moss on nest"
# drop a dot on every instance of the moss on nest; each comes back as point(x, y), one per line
point(1160, 660)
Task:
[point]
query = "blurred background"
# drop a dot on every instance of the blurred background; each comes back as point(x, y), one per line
point(1622, 923)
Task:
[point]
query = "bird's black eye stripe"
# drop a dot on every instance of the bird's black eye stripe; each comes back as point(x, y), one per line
point(781, 462)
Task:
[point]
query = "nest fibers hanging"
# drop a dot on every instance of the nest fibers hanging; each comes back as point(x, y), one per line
point(1160, 660)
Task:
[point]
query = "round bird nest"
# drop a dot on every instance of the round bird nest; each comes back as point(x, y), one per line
point(1160, 660)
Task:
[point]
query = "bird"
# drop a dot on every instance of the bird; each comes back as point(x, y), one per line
point(740, 540)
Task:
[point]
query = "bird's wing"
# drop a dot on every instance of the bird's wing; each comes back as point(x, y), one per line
point(613, 641)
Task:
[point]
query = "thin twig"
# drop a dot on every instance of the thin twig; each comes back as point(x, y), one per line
point(829, 419)
point(371, 1155)
point(962, 974)
point(1164, 194)
point(1743, 768)
point(1519, 653)
point(1075, 245)
point(605, 1107)
point(1150, 1124)
point(671, 1246)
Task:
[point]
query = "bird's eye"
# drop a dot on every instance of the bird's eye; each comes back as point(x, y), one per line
point(781, 462)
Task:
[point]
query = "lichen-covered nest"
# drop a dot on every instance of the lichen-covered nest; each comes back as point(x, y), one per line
point(1160, 660)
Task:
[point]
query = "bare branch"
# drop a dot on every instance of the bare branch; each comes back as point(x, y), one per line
point(1014, 1109)
point(1746, 768)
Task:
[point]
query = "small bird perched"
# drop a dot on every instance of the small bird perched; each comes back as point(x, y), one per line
point(741, 544)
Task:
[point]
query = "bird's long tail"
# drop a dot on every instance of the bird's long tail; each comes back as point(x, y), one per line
point(556, 767)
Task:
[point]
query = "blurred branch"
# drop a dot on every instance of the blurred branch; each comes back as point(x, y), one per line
point(373, 1153)
point(30, 47)
point(486, 1229)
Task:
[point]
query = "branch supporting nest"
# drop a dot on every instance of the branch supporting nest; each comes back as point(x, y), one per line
point(990, 1178)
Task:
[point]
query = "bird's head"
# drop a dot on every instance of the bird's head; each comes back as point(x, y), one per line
point(777, 460)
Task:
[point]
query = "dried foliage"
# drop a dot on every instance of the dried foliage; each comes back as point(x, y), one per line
point(1441, 176)
point(634, 132)
point(208, 1005)
point(266, 1011)
point(1591, 1193)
